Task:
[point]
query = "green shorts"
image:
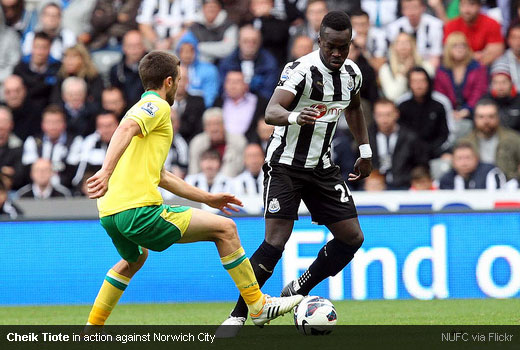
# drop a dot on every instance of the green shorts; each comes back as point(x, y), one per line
point(154, 227)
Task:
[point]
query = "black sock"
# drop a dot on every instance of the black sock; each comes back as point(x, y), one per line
point(332, 258)
point(263, 262)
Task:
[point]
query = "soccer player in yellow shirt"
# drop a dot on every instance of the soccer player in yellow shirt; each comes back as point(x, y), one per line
point(131, 208)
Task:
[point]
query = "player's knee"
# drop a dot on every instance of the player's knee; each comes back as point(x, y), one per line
point(228, 230)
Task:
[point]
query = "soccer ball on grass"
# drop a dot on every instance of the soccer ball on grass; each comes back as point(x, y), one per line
point(315, 316)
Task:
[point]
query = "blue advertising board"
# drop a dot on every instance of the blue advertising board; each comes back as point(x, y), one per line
point(424, 256)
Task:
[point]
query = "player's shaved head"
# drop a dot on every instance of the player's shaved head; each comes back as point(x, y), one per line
point(337, 20)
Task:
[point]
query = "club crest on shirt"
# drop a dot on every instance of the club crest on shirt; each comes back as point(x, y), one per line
point(274, 206)
point(350, 83)
point(150, 108)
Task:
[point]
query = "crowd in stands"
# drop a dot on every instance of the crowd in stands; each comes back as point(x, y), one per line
point(441, 82)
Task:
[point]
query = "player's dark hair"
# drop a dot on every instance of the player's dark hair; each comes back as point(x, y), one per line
point(337, 20)
point(157, 66)
point(42, 35)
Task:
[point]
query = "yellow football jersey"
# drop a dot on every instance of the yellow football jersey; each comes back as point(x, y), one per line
point(135, 179)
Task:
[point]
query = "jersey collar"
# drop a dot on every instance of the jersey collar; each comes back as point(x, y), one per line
point(147, 93)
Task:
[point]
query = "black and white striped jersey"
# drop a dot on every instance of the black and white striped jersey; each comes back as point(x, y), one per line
point(314, 85)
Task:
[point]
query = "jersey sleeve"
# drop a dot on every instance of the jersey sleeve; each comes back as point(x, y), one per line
point(292, 76)
point(149, 115)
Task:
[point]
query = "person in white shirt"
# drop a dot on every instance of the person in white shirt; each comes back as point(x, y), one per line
point(426, 29)
point(249, 185)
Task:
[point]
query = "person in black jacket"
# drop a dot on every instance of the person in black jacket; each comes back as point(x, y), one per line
point(189, 108)
point(504, 93)
point(421, 111)
point(396, 150)
point(469, 173)
point(38, 71)
point(124, 74)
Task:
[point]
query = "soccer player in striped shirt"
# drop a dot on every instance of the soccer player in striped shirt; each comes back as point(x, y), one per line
point(313, 92)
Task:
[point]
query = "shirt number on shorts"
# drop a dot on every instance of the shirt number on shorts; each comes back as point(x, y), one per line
point(344, 191)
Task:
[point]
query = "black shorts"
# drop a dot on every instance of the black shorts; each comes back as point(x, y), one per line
point(323, 191)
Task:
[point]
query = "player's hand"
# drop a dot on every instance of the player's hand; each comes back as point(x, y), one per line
point(362, 169)
point(223, 202)
point(308, 116)
point(97, 185)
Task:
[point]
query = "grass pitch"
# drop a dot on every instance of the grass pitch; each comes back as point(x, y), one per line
point(376, 312)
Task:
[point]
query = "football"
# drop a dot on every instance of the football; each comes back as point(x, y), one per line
point(315, 316)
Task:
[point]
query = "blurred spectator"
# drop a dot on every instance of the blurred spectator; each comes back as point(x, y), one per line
point(314, 13)
point(8, 210)
point(9, 50)
point(510, 60)
point(163, 22)
point(82, 189)
point(215, 33)
point(275, 32)
point(49, 22)
point(38, 71)
point(18, 17)
point(189, 108)
point(469, 173)
point(342, 153)
point(125, 75)
point(94, 146)
point(80, 113)
point(426, 29)
point(505, 95)
point(111, 20)
point(41, 186)
point(396, 150)
point(230, 147)
point(210, 178)
point(301, 46)
point(178, 156)
point(10, 149)
point(422, 111)
point(255, 63)
point(76, 17)
point(251, 181)
point(375, 182)
point(370, 39)
point(495, 144)
point(444, 9)
point(112, 100)
point(290, 10)
point(482, 32)
point(264, 132)
point(422, 179)
point(403, 56)
point(78, 63)
point(460, 78)
point(381, 12)
point(369, 89)
point(62, 149)
point(237, 10)
point(26, 115)
point(241, 109)
point(346, 6)
point(203, 77)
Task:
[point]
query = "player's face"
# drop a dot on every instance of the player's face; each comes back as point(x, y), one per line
point(334, 47)
point(170, 94)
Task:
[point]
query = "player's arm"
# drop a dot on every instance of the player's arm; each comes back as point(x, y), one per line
point(181, 188)
point(276, 112)
point(358, 127)
point(97, 185)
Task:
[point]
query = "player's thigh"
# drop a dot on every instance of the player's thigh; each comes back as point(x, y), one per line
point(128, 250)
point(282, 196)
point(205, 226)
point(328, 198)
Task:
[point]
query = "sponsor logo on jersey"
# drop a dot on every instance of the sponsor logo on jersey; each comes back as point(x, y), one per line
point(150, 108)
point(321, 108)
point(274, 206)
